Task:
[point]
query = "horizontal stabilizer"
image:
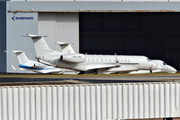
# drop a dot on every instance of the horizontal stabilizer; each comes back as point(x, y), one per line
point(35, 36)
point(17, 52)
point(63, 43)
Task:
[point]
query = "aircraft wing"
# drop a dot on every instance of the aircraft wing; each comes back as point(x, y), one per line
point(99, 66)
point(144, 71)
point(45, 63)
point(33, 65)
point(40, 69)
point(123, 68)
point(49, 71)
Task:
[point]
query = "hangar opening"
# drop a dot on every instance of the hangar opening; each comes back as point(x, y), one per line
point(155, 35)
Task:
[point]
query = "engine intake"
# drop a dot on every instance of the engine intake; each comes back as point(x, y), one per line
point(76, 58)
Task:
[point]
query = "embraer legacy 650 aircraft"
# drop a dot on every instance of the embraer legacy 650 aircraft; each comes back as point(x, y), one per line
point(66, 48)
point(26, 64)
point(103, 64)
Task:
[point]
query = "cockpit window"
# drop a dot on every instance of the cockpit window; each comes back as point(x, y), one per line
point(164, 63)
point(148, 60)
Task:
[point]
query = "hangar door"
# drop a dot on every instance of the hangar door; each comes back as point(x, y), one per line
point(155, 35)
point(59, 27)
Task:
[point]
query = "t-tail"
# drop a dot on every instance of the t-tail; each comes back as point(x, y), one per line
point(22, 58)
point(40, 45)
point(66, 47)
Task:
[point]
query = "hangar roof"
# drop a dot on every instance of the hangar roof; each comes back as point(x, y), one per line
point(64, 6)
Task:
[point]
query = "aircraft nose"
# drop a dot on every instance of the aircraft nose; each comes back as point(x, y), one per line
point(155, 66)
point(171, 69)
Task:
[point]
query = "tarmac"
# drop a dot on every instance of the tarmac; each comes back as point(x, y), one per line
point(89, 79)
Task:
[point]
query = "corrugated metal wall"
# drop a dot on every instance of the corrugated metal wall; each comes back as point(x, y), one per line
point(90, 102)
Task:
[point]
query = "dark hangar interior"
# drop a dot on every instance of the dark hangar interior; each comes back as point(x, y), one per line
point(153, 34)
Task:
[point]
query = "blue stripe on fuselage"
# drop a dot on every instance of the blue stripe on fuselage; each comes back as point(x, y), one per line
point(28, 67)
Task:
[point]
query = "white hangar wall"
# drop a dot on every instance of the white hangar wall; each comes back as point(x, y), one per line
point(90, 102)
point(59, 27)
point(16, 28)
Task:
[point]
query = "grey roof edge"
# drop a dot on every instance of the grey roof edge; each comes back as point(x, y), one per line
point(92, 6)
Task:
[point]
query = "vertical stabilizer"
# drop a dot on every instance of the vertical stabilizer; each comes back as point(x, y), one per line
point(22, 58)
point(40, 45)
point(66, 47)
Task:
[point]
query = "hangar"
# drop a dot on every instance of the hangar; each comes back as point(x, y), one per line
point(149, 28)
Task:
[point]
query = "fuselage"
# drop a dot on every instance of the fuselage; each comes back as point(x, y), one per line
point(39, 68)
point(118, 62)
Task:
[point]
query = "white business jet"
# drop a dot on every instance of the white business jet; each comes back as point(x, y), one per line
point(165, 68)
point(102, 64)
point(66, 48)
point(26, 64)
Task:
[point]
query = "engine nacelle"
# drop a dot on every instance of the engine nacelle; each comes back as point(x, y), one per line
point(38, 65)
point(76, 58)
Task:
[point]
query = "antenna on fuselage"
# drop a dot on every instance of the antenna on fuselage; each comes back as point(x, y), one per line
point(117, 61)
